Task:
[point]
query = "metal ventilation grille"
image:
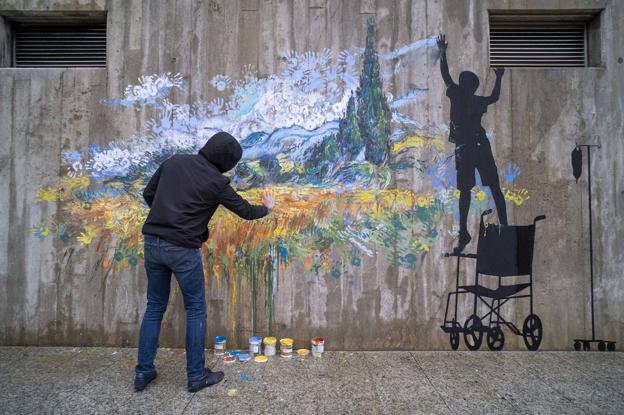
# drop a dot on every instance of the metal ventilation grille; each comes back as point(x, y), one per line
point(49, 46)
point(537, 44)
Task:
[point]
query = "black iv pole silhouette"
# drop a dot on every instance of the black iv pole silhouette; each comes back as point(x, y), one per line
point(577, 167)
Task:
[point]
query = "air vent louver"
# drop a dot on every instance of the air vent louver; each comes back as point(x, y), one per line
point(537, 44)
point(47, 46)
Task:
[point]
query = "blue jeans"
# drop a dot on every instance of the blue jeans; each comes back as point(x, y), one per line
point(161, 259)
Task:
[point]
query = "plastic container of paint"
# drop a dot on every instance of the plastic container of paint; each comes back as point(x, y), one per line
point(303, 352)
point(261, 359)
point(229, 359)
point(286, 347)
point(244, 357)
point(318, 346)
point(255, 345)
point(219, 344)
point(269, 346)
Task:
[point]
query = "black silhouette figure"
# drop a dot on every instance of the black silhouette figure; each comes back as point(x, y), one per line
point(502, 252)
point(577, 170)
point(472, 147)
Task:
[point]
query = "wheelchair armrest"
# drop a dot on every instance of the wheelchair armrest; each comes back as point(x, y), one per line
point(486, 212)
point(538, 218)
point(450, 254)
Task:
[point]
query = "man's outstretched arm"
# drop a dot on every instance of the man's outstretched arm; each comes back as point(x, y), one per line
point(446, 75)
point(235, 203)
point(497, 86)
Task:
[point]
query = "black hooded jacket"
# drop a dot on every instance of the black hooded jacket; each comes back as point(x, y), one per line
point(186, 190)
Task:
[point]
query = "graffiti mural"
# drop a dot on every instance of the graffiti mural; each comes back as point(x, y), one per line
point(323, 136)
point(502, 252)
point(472, 147)
point(577, 170)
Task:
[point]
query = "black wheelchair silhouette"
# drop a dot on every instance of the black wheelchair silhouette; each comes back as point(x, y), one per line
point(502, 251)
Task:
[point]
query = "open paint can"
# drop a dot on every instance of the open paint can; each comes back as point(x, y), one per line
point(261, 359)
point(254, 345)
point(219, 344)
point(286, 347)
point(318, 346)
point(244, 357)
point(269, 346)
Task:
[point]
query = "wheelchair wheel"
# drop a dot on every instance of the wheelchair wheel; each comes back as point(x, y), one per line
point(611, 346)
point(602, 346)
point(454, 335)
point(495, 338)
point(577, 346)
point(586, 346)
point(532, 332)
point(473, 332)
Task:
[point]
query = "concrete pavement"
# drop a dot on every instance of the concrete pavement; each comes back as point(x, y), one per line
point(53, 380)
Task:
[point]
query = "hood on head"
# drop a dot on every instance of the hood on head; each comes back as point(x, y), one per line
point(223, 151)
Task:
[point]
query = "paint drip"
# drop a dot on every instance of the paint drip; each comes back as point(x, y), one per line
point(219, 344)
point(255, 345)
point(286, 347)
point(269, 346)
point(318, 346)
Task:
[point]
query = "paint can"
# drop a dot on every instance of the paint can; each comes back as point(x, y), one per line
point(286, 347)
point(244, 357)
point(261, 359)
point(229, 359)
point(303, 352)
point(254, 345)
point(318, 346)
point(219, 344)
point(269, 346)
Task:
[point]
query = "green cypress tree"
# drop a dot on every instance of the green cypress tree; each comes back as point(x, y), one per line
point(374, 114)
point(349, 136)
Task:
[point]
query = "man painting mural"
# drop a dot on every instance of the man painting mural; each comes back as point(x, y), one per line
point(472, 147)
point(183, 195)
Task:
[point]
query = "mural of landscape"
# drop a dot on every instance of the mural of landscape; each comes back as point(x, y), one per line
point(322, 135)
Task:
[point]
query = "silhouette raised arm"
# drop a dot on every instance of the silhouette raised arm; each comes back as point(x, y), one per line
point(497, 86)
point(442, 45)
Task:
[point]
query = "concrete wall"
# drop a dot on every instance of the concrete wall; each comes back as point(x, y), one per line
point(57, 292)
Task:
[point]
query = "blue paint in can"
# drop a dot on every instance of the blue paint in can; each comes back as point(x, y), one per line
point(219, 344)
point(254, 345)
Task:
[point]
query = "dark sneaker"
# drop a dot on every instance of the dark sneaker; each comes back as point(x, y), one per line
point(464, 239)
point(210, 378)
point(141, 380)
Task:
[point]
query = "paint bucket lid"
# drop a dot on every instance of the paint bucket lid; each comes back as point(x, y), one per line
point(260, 359)
point(244, 357)
point(318, 340)
point(286, 342)
point(255, 340)
point(229, 359)
point(234, 353)
point(270, 340)
point(303, 352)
point(220, 339)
